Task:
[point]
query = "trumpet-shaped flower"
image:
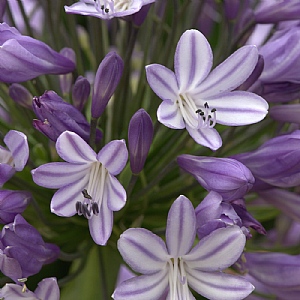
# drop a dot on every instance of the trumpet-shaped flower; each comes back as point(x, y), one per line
point(196, 99)
point(176, 265)
point(86, 182)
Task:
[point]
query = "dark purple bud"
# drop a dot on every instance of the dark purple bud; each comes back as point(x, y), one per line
point(57, 116)
point(3, 4)
point(12, 203)
point(140, 135)
point(231, 8)
point(20, 95)
point(107, 78)
point(230, 178)
point(33, 57)
point(66, 80)
point(23, 251)
point(80, 92)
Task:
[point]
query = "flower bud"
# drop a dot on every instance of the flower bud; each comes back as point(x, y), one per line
point(230, 178)
point(140, 135)
point(80, 92)
point(107, 78)
point(65, 80)
point(286, 113)
point(20, 95)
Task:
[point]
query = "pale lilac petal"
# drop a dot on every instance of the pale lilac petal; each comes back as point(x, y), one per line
point(101, 225)
point(72, 148)
point(6, 172)
point(146, 287)
point(16, 142)
point(162, 81)
point(15, 292)
point(48, 289)
point(114, 156)
point(193, 60)
point(169, 114)
point(181, 227)
point(230, 74)
point(63, 202)
point(208, 137)
point(239, 108)
point(218, 285)
point(218, 250)
point(57, 175)
point(115, 193)
point(143, 251)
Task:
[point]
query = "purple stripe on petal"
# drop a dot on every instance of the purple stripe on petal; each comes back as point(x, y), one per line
point(169, 114)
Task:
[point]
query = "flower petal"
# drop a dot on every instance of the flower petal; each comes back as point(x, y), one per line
point(218, 250)
point(230, 74)
point(218, 285)
point(6, 172)
point(208, 137)
point(114, 156)
point(143, 251)
point(162, 81)
point(57, 175)
point(48, 289)
point(146, 287)
point(73, 149)
point(115, 193)
point(169, 114)
point(193, 60)
point(181, 227)
point(15, 291)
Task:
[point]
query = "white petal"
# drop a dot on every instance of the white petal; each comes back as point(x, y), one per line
point(181, 227)
point(169, 114)
point(218, 285)
point(193, 59)
point(208, 137)
point(72, 148)
point(230, 74)
point(144, 251)
point(162, 81)
point(115, 193)
point(218, 250)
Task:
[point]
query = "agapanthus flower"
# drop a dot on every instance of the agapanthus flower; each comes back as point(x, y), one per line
point(47, 290)
point(175, 265)
point(15, 157)
point(107, 9)
point(196, 99)
point(86, 182)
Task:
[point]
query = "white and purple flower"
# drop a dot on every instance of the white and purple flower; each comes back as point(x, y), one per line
point(86, 182)
point(196, 99)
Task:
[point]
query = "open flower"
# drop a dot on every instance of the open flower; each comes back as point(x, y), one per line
point(86, 182)
point(175, 266)
point(196, 99)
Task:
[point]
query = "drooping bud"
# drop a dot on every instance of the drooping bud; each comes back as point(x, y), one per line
point(140, 135)
point(286, 113)
point(65, 80)
point(80, 92)
point(107, 78)
point(226, 176)
point(20, 95)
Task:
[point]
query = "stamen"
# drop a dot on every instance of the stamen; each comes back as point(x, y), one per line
point(85, 194)
point(95, 208)
point(206, 118)
point(79, 208)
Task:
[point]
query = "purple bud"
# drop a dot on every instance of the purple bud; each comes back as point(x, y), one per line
point(20, 95)
point(23, 251)
point(140, 135)
point(3, 4)
point(80, 92)
point(57, 116)
point(230, 178)
point(231, 8)
point(65, 80)
point(286, 113)
point(107, 78)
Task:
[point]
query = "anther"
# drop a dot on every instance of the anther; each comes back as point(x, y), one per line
point(106, 10)
point(79, 208)
point(95, 208)
point(85, 194)
point(85, 211)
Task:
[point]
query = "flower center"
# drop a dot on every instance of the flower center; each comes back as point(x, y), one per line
point(6, 157)
point(111, 6)
point(93, 195)
point(206, 117)
point(177, 280)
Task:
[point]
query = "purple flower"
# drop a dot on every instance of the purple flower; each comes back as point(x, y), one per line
point(140, 135)
point(196, 99)
point(23, 251)
point(86, 182)
point(15, 157)
point(107, 9)
point(175, 265)
point(23, 58)
point(47, 290)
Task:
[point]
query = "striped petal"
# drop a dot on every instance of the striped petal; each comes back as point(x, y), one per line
point(15, 292)
point(169, 114)
point(162, 81)
point(230, 74)
point(146, 287)
point(115, 193)
point(73, 149)
point(114, 156)
point(143, 251)
point(60, 174)
point(218, 250)
point(48, 289)
point(218, 285)
point(193, 60)
point(181, 227)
